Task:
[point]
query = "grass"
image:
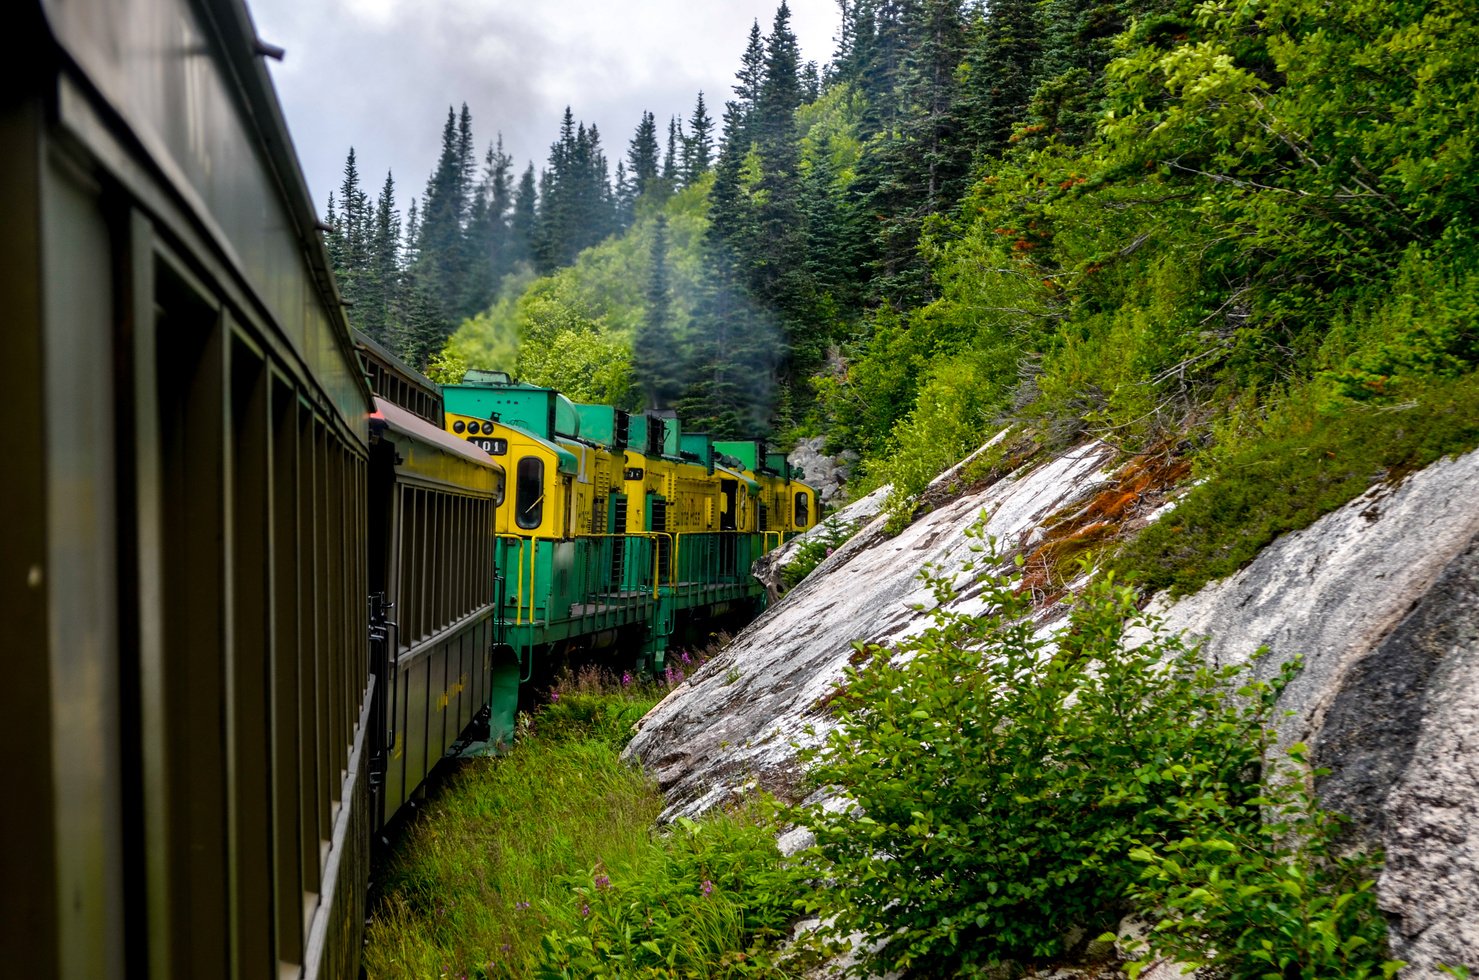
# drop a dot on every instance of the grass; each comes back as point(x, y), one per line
point(546, 861)
point(1303, 461)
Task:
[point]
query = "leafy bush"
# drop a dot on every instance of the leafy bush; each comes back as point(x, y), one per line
point(1003, 781)
point(1009, 786)
point(1261, 898)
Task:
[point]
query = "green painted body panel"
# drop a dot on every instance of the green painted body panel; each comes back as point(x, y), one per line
point(672, 436)
point(700, 444)
point(604, 425)
point(567, 590)
point(542, 411)
point(749, 452)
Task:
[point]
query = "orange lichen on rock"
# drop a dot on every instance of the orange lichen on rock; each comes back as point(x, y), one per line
point(1105, 517)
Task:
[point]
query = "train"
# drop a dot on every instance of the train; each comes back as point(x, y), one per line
point(260, 576)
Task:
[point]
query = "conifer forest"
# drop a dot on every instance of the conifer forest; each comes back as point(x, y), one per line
point(1244, 229)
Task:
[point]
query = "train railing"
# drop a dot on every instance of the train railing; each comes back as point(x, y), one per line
point(591, 575)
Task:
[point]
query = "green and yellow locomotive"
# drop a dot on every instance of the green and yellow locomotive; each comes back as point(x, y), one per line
point(617, 528)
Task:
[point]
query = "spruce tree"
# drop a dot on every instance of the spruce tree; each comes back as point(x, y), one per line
point(522, 222)
point(1077, 45)
point(441, 253)
point(653, 354)
point(698, 145)
point(642, 162)
point(670, 158)
point(383, 283)
point(1001, 70)
point(751, 75)
point(625, 197)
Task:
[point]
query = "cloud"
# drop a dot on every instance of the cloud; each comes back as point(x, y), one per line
point(379, 74)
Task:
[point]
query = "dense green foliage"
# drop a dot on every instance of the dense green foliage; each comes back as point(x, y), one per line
point(1011, 787)
point(1152, 221)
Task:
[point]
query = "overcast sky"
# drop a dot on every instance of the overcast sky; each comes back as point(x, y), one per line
point(378, 75)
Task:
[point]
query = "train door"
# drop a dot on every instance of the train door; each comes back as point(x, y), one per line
point(729, 526)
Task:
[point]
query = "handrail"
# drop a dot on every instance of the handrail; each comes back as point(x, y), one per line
point(634, 534)
point(519, 594)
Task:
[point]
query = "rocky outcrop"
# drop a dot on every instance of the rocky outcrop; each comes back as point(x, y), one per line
point(827, 475)
point(742, 718)
point(1380, 599)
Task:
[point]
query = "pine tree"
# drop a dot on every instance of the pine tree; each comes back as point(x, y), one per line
point(653, 352)
point(1077, 38)
point(334, 237)
point(698, 145)
point(752, 72)
point(642, 155)
point(811, 82)
point(577, 208)
point(441, 255)
point(670, 158)
point(522, 222)
point(780, 87)
point(380, 294)
point(1001, 70)
point(625, 197)
point(728, 209)
point(352, 245)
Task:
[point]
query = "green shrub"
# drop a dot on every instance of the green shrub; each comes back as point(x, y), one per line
point(1264, 898)
point(1003, 783)
point(1010, 788)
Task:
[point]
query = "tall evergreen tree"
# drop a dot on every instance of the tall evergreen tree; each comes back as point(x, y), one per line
point(625, 197)
point(642, 160)
point(1001, 69)
point(670, 158)
point(1077, 45)
point(653, 352)
point(522, 222)
point(379, 296)
point(576, 206)
point(442, 256)
point(751, 75)
point(698, 145)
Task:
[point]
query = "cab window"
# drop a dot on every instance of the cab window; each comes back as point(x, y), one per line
point(529, 493)
point(802, 509)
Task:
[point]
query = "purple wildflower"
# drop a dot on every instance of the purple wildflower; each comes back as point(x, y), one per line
point(708, 888)
point(603, 882)
point(683, 656)
point(585, 909)
point(626, 679)
point(521, 906)
point(554, 696)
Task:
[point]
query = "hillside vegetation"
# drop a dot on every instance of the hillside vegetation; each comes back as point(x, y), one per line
point(1240, 233)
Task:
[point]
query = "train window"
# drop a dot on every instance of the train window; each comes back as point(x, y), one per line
point(802, 509)
point(529, 493)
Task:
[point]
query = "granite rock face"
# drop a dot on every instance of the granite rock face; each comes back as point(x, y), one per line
point(742, 718)
point(1380, 599)
point(825, 474)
